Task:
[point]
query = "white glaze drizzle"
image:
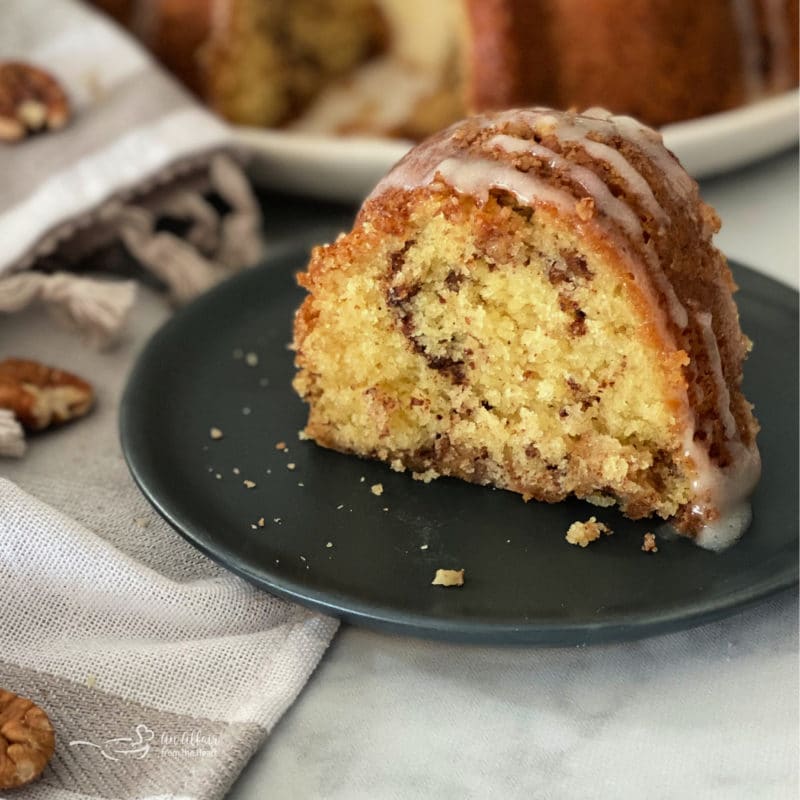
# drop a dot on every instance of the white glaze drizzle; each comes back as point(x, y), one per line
point(476, 176)
point(749, 46)
point(418, 167)
point(576, 130)
point(589, 181)
point(361, 99)
point(721, 494)
point(633, 179)
point(651, 143)
point(617, 210)
point(715, 362)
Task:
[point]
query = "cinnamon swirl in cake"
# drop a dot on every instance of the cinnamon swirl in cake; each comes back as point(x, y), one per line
point(532, 300)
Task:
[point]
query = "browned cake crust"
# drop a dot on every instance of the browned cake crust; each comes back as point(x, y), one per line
point(544, 311)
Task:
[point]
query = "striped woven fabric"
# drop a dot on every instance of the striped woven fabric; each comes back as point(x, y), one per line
point(138, 147)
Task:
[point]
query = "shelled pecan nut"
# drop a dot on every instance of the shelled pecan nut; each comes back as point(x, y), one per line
point(27, 740)
point(31, 100)
point(41, 396)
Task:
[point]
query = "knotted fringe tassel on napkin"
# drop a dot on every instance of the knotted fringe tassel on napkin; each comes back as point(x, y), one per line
point(216, 239)
point(98, 308)
point(12, 437)
point(213, 246)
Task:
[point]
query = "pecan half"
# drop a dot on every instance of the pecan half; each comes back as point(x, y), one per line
point(41, 396)
point(31, 100)
point(27, 740)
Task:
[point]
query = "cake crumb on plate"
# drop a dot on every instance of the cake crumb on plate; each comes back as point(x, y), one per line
point(215, 433)
point(448, 577)
point(584, 533)
point(249, 484)
point(649, 543)
point(376, 489)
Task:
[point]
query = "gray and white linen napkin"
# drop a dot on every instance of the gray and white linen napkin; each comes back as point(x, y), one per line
point(160, 671)
point(138, 150)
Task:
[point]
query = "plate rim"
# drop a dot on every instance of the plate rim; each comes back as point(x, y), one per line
point(388, 619)
point(347, 167)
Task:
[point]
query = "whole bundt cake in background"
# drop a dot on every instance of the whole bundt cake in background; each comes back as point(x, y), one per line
point(410, 67)
point(531, 299)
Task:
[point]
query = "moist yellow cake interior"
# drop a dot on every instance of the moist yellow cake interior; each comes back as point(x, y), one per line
point(503, 345)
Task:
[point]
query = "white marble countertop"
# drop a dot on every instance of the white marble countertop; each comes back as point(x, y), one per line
point(711, 712)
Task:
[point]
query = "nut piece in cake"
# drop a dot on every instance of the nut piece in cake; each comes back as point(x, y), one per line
point(31, 100)
point(41, 396)
point(584, 533)
point(448, 577)
point(26, 740)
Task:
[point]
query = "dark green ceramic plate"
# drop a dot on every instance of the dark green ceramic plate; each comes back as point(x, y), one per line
point(330, 543)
